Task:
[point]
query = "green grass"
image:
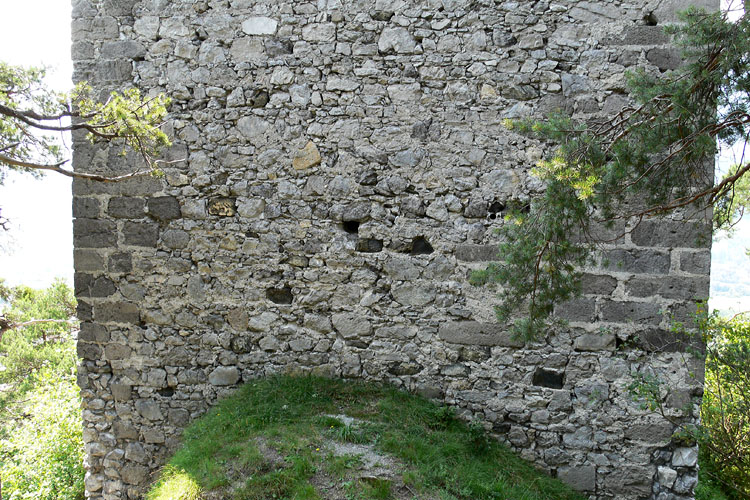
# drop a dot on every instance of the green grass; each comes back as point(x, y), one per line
point(270, 440)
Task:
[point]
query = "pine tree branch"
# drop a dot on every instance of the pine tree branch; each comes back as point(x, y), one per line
point(57, 167)
point(7, 325)
point(34, 120)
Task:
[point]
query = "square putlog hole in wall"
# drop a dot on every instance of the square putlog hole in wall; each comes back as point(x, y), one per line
point(350, 226)
point(420, 246)
point(280, 295)
point(548, 378)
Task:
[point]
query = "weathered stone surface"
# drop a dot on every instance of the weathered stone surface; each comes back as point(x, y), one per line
point(90, 233)
point(667, 476)
point(696, 262)
point(88, 260)
point(89, 351)
point(87, 285)
point(598, 284)
point(626, 311)
point(664, 59)
point(582, 478)
point(685, 457)
point(117, 351)
point(319, 32)
point(414, 294)
point(142, 234)
point(601, 341)
point(398, 40)
point(631, 480)
point(121, 392)
point(477, 253)
point(122, 49)
point(224, 375)
point(247, 49)
point(351, 326)
point(672, 234)
point(636, 261)
point(259, 26)
point(238, 264)
point(642, 35)
point(307, 157)
point(164, 207)
point(475, 333)
point(93, 332)
point(86, 208)
point(579, 309)
point(134, 474)
point(660, 340)
point(669, 287)
point(116, 312)
point(223, 207)
point(127, 208)
point(120, 262)
point(148, 409)
point(175, 238)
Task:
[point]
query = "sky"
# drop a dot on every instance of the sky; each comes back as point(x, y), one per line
point(39, 246)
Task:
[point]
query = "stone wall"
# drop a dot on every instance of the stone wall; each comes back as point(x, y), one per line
point(344, 168)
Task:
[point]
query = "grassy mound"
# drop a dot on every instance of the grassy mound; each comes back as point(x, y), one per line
point(316, 438)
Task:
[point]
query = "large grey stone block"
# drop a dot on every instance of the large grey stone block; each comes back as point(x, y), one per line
point(126, 208)
point(164, 207)
point(664, 233)
point(142, 234)
point(636, 261)
point(88, 285)
point(578, 309)
point(629, 311)
point(696, 262)
point(116, 312)
point(581, 478)
point(91, 233)
point(477, 253)
point(224, 375)
point(475, 333)
point(669, 287)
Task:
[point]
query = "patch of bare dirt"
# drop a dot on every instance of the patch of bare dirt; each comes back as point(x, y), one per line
point(368, 466)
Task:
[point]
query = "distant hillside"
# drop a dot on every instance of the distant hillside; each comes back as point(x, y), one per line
point(730, 270)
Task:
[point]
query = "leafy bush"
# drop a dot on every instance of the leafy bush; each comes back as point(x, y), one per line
point(25, 350)
point(42, 456)
point(723, 434)
point(41, 448)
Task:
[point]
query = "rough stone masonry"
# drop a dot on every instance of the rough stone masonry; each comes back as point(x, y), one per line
point(344, 166)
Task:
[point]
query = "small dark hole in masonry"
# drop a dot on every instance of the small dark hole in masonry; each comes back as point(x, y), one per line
point(280, 295)
point(495, 208)
point(420, 246)
point(167, 393)
point(501, 427)
point(650, 19)
point(619, 342)
point(351, 226)
point(548, 378)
